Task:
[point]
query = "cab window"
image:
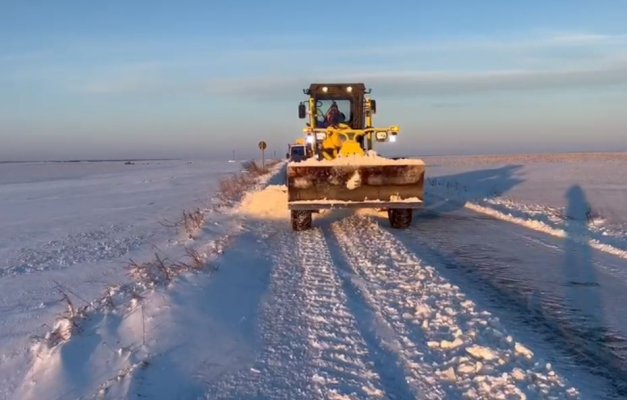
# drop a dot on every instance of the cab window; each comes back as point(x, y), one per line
point(323, 107)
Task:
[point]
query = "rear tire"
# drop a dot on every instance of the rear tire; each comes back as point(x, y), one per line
point(301, 220)
point(400, 218)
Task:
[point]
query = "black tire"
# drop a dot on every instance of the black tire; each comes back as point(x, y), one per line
point(400, 218)
point(301, 220)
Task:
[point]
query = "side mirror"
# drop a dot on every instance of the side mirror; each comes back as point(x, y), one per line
point(287, 155)
point(373, 106)
point(302, 111)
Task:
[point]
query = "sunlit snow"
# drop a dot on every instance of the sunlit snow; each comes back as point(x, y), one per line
point(510, 283)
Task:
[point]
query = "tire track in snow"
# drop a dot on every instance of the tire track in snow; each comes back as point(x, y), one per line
point(395, 335)
point(446, 342)
point(339, 352)
point(280, 371)
point(311, 347)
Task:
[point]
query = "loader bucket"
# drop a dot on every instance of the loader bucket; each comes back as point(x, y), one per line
point(357, 183)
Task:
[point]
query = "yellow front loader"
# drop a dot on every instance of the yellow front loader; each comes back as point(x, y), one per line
point(343, 170)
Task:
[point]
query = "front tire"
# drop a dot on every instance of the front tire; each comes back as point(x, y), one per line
point(400, 218)
point(301, 220)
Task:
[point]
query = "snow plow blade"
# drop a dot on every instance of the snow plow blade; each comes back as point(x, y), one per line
point(320, 185)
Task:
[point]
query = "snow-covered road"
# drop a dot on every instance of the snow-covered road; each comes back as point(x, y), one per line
point(464, 305)
point(372, 306)
point(461, 305)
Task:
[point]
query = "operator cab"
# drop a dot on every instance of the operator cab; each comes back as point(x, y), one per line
point(326, 98)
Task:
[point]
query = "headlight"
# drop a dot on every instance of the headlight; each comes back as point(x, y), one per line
point(325, 89)
point(392, 138)
point(381, 136)
point(321, 135)
point(349, 89)
point(310, 139)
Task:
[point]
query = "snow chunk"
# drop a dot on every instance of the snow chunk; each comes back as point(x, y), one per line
point(518, 374)
point(302, 183)
point(373, 392)
point(482, 353)
point(448, 345)
point(334, 395)
point(354, 182)
point(478, 367)
point(449, 375)
point(134, 303)
point(422, 311)
point(522, 351)
point(468, 305)
point(468, 367)
point(318, 379)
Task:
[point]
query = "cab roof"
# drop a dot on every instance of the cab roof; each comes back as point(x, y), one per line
point(335, 89)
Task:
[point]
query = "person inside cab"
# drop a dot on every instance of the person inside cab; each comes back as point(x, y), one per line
point(332, 118)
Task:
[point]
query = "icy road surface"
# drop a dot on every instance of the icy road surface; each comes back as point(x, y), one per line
point(520, 300)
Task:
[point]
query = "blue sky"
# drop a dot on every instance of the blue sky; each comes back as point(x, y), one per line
point(121, 79)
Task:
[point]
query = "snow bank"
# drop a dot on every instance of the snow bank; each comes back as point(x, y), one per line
point(269, 203)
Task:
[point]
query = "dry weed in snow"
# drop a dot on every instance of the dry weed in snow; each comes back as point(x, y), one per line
point(232, 188)
point(193, 221)
point(64, 326)
point(161, 271)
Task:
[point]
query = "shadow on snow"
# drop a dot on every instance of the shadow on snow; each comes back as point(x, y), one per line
point(562, 297)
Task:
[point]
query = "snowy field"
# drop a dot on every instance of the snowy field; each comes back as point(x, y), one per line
point(543, 192)
point(73, 227)
point(510, 284)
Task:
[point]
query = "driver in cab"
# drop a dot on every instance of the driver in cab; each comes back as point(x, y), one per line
point(332, 118)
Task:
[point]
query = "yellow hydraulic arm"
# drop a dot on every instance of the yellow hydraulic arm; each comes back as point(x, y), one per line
point(344, 142)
